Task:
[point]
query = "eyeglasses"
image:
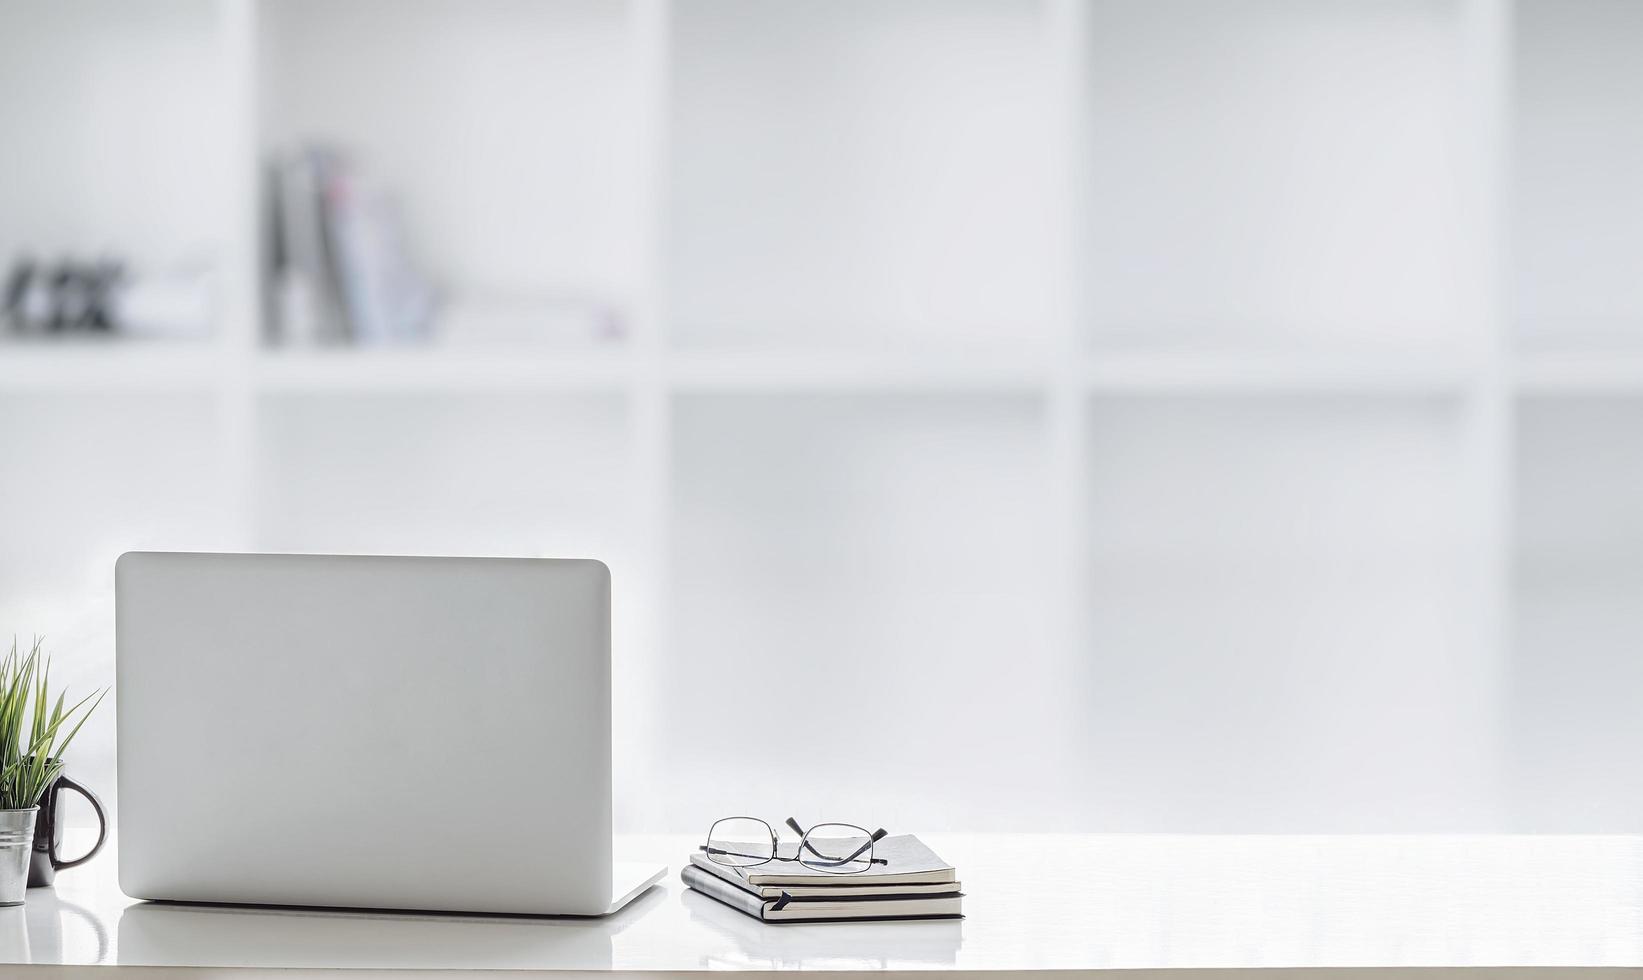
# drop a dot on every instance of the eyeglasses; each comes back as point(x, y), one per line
point(836, 848)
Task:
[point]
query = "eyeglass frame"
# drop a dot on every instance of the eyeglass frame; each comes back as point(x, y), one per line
point(873, 837)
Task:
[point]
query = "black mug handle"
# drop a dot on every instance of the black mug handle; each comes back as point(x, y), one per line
point(63, 782)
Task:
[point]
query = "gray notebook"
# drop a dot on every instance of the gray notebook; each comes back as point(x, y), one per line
point(910, 862)
point(841, 887)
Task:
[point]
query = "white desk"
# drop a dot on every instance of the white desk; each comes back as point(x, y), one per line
point(1034, 904)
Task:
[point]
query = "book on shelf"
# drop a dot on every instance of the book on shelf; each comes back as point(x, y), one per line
point(307, 305)
point(342, 272)
point(385, 299)
point(913, 883)
point(821, 908)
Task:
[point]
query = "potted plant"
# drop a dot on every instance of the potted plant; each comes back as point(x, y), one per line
point(35, 731)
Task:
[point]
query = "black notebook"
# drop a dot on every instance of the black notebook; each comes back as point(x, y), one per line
point(792, 909)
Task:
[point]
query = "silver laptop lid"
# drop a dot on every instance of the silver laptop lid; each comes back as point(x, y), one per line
point(415, 733)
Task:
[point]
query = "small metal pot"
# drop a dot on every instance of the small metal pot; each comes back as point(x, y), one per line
point(16, 841)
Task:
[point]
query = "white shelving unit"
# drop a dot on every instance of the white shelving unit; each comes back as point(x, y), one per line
point(1019, 307)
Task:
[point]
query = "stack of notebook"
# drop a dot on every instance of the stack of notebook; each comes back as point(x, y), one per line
point(914, 884)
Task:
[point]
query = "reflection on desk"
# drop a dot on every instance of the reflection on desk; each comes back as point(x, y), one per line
point(33, 932)
point(165, 934)
point(839, 946)
point(1035, 904)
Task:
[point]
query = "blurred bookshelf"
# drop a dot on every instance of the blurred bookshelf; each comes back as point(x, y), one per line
point(1054, 228)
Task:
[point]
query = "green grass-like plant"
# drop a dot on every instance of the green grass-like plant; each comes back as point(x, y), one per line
point(30, 760)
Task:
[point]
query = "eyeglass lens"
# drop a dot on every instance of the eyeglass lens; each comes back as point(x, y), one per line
point(837, 848)
point(740, 842)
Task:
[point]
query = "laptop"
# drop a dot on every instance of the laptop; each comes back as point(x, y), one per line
point(367, 732)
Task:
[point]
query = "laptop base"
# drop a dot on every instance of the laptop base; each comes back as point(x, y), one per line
point(629, 880)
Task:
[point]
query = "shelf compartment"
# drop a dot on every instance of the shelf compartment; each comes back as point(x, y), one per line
point(1277, 607)
point(1577, 150)
point(1577, 623)
point(859, 173)
point(1267, 173)
point(500, 473)
point(506, 131)
point(872, 563)
point(114, 119)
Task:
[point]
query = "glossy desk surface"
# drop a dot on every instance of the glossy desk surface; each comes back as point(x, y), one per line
point(1033, 903)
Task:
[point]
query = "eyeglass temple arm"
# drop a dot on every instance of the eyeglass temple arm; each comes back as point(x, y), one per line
point(878, 835)
point(719, 850)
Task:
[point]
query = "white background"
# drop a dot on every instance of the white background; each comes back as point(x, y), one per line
point(1069, 414)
